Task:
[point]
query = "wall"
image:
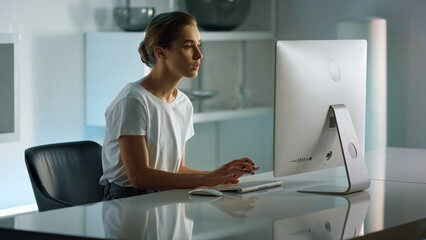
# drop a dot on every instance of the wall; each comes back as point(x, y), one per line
point(51, 79)
point(306, 19)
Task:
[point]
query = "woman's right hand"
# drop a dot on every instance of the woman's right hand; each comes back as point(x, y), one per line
point(230, 172)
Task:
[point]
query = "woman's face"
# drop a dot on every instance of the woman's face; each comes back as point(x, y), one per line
point(184, 56)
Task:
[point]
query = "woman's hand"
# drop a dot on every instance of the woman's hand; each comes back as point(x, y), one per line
point(230, 172)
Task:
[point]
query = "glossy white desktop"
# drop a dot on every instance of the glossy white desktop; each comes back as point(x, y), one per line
point(396, 196)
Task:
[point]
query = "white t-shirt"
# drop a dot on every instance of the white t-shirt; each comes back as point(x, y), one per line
point(135, 111)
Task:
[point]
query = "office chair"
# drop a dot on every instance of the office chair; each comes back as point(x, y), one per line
point(65, 174)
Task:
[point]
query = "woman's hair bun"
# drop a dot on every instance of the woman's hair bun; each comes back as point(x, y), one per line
point(144, 54)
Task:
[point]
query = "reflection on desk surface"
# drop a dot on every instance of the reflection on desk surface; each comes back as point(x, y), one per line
point(163, 222)
point(161, 219)
point(335, 223)
point(174, 215)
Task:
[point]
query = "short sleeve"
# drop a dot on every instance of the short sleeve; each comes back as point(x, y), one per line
point(128, 117)
point(190, 133)
point(190, 129)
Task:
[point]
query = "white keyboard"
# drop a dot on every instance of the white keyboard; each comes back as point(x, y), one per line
point(251, 186)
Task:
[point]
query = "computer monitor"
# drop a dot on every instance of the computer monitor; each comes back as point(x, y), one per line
point(9, 89)
point(319, 122)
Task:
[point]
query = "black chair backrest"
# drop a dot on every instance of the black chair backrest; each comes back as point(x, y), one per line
point(65, 174)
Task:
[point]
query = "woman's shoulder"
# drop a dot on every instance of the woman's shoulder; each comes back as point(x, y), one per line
point(129, 92)
point(184, 102)
point(132, 90)
point(183, 98)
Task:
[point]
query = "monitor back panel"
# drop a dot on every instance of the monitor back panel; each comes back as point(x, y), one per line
point(309, 77)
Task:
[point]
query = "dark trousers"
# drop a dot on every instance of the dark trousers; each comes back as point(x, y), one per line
point(114, 191)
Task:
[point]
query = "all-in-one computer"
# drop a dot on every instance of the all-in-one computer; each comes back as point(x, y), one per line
point(320, 94)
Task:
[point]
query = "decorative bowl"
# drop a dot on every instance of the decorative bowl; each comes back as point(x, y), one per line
point(218, 15)
point(133, 18)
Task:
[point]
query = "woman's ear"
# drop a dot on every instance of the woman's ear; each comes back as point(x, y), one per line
point(160, 53)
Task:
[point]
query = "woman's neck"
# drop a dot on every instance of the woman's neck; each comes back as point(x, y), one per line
point(161, 85)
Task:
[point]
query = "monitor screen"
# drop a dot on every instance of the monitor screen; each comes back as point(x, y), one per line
point(9, 109)
point(311, 76)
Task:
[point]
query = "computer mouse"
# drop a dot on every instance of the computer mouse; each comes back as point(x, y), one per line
point(206, 192)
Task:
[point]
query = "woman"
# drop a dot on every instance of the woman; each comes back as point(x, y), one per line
point(149, 122)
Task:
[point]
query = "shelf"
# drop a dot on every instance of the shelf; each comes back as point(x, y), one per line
point(213, 115)
point(205, 36)
point(236, 36)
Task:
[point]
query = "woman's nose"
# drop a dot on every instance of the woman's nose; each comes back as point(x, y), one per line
point(198, 55)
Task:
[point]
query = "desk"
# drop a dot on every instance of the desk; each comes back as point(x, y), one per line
point(396, 196)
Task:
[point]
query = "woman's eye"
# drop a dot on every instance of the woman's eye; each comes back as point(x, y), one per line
point(187, 46)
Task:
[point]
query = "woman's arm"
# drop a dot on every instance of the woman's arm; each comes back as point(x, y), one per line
point(134, 154)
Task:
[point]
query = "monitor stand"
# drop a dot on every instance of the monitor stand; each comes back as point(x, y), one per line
point(353, 158)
